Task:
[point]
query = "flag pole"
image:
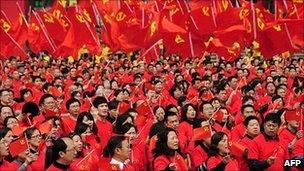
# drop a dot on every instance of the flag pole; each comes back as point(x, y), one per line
point(253, 20)
point(22, 15)
point(5, 16)
point(44, 31)
point(191, 44)
point(16, 43)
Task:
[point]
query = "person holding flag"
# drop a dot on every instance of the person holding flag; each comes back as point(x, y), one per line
point(167, 154)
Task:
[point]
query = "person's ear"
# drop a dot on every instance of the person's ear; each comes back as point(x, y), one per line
point(61, 154)
point(117, 151)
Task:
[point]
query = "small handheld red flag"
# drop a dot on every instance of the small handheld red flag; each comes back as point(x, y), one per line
point(18, 146)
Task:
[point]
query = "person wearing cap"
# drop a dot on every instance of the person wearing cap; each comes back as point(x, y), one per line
point(291, 133)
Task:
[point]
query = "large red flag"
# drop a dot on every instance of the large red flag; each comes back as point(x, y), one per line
point(270, 36)
point(296, 31)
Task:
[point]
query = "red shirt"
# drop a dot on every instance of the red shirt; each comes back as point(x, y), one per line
point(247, 142)
point(185, 133)
point(298, 148)
point(105, 130)
point(286, 136)
point(162, 162)
point(263, 147)
point(213, 161)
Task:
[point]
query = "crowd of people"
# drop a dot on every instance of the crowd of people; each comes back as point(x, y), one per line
point(122, 113)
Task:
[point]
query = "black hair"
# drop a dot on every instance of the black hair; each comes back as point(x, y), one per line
point(215, 139)
point(185, 110)
point(99, 100)
point(113, 143)
point(125, 128)
point(113, 104)
point(45, 96)
point(3, 132)
point(89, 116)
point(156, 108)
point(245, 106)
point(121, 119)
point(31, 108)
point(71, 101)
point(274, 117)
point(201, 107)
point(161, 147)
point(52, 153)
point(181, 100)
point(169, 107)
point(249, 118)
point(168, 114)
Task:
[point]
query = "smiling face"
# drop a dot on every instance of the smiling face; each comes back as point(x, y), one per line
point(172, 141)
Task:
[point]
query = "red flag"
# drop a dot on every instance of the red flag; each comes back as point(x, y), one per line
point(144, 109)
point(201, 133)
point(45, 127)
point(123, 107)
point(55, 91)
point(218, 116)
point(236, 149)
point(222, 5)
point(18, 130)
point(18, 146)
point(140, 120)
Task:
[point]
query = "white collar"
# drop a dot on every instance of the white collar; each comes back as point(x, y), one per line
point(119, 163)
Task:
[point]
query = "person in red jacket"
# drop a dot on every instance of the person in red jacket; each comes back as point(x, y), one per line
point(252, 131)
point(268, 152)
point(69, 122)
point(219, 157)
point(63, 154)
point(167, 155)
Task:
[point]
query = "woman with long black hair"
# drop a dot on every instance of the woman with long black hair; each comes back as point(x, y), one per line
point(167, 154)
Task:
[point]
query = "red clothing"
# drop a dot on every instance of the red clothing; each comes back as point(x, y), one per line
point(185, 134)
point(263, 147)
point(286, 136)
point(298, 148)
point(213, 161)
point(5, 165)
point(105, 165)
point(162, 162)
point(247, 142)
point(39, 163)
point(138, 156)
point(105, 130)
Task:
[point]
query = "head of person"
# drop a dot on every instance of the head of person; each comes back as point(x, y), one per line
point(3, 146)
point(6, 96)
point(123, 119)
point(167, 143)
point(31, 109)
point(171, 120)
point(78, 143)
point(252, 125)
point(113, 108)
point(101, 104)
point(118, 147)
point(73, 106)
point(219, 144)
point(159, 113)
point(11, 121)
point(248, 110)
point(207, 109)
point(292, 123)
point(48, 102)
point(215, 103)
point(5, 111)
point(171, 108)
point(87, 118)
point(64, 151)
point(188, 112)
point(6, 135)
point(271, 124)
point(34, 137)
point(128, 130)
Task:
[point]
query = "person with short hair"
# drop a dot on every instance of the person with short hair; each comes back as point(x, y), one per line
point(63, 154)
point(267, 151)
